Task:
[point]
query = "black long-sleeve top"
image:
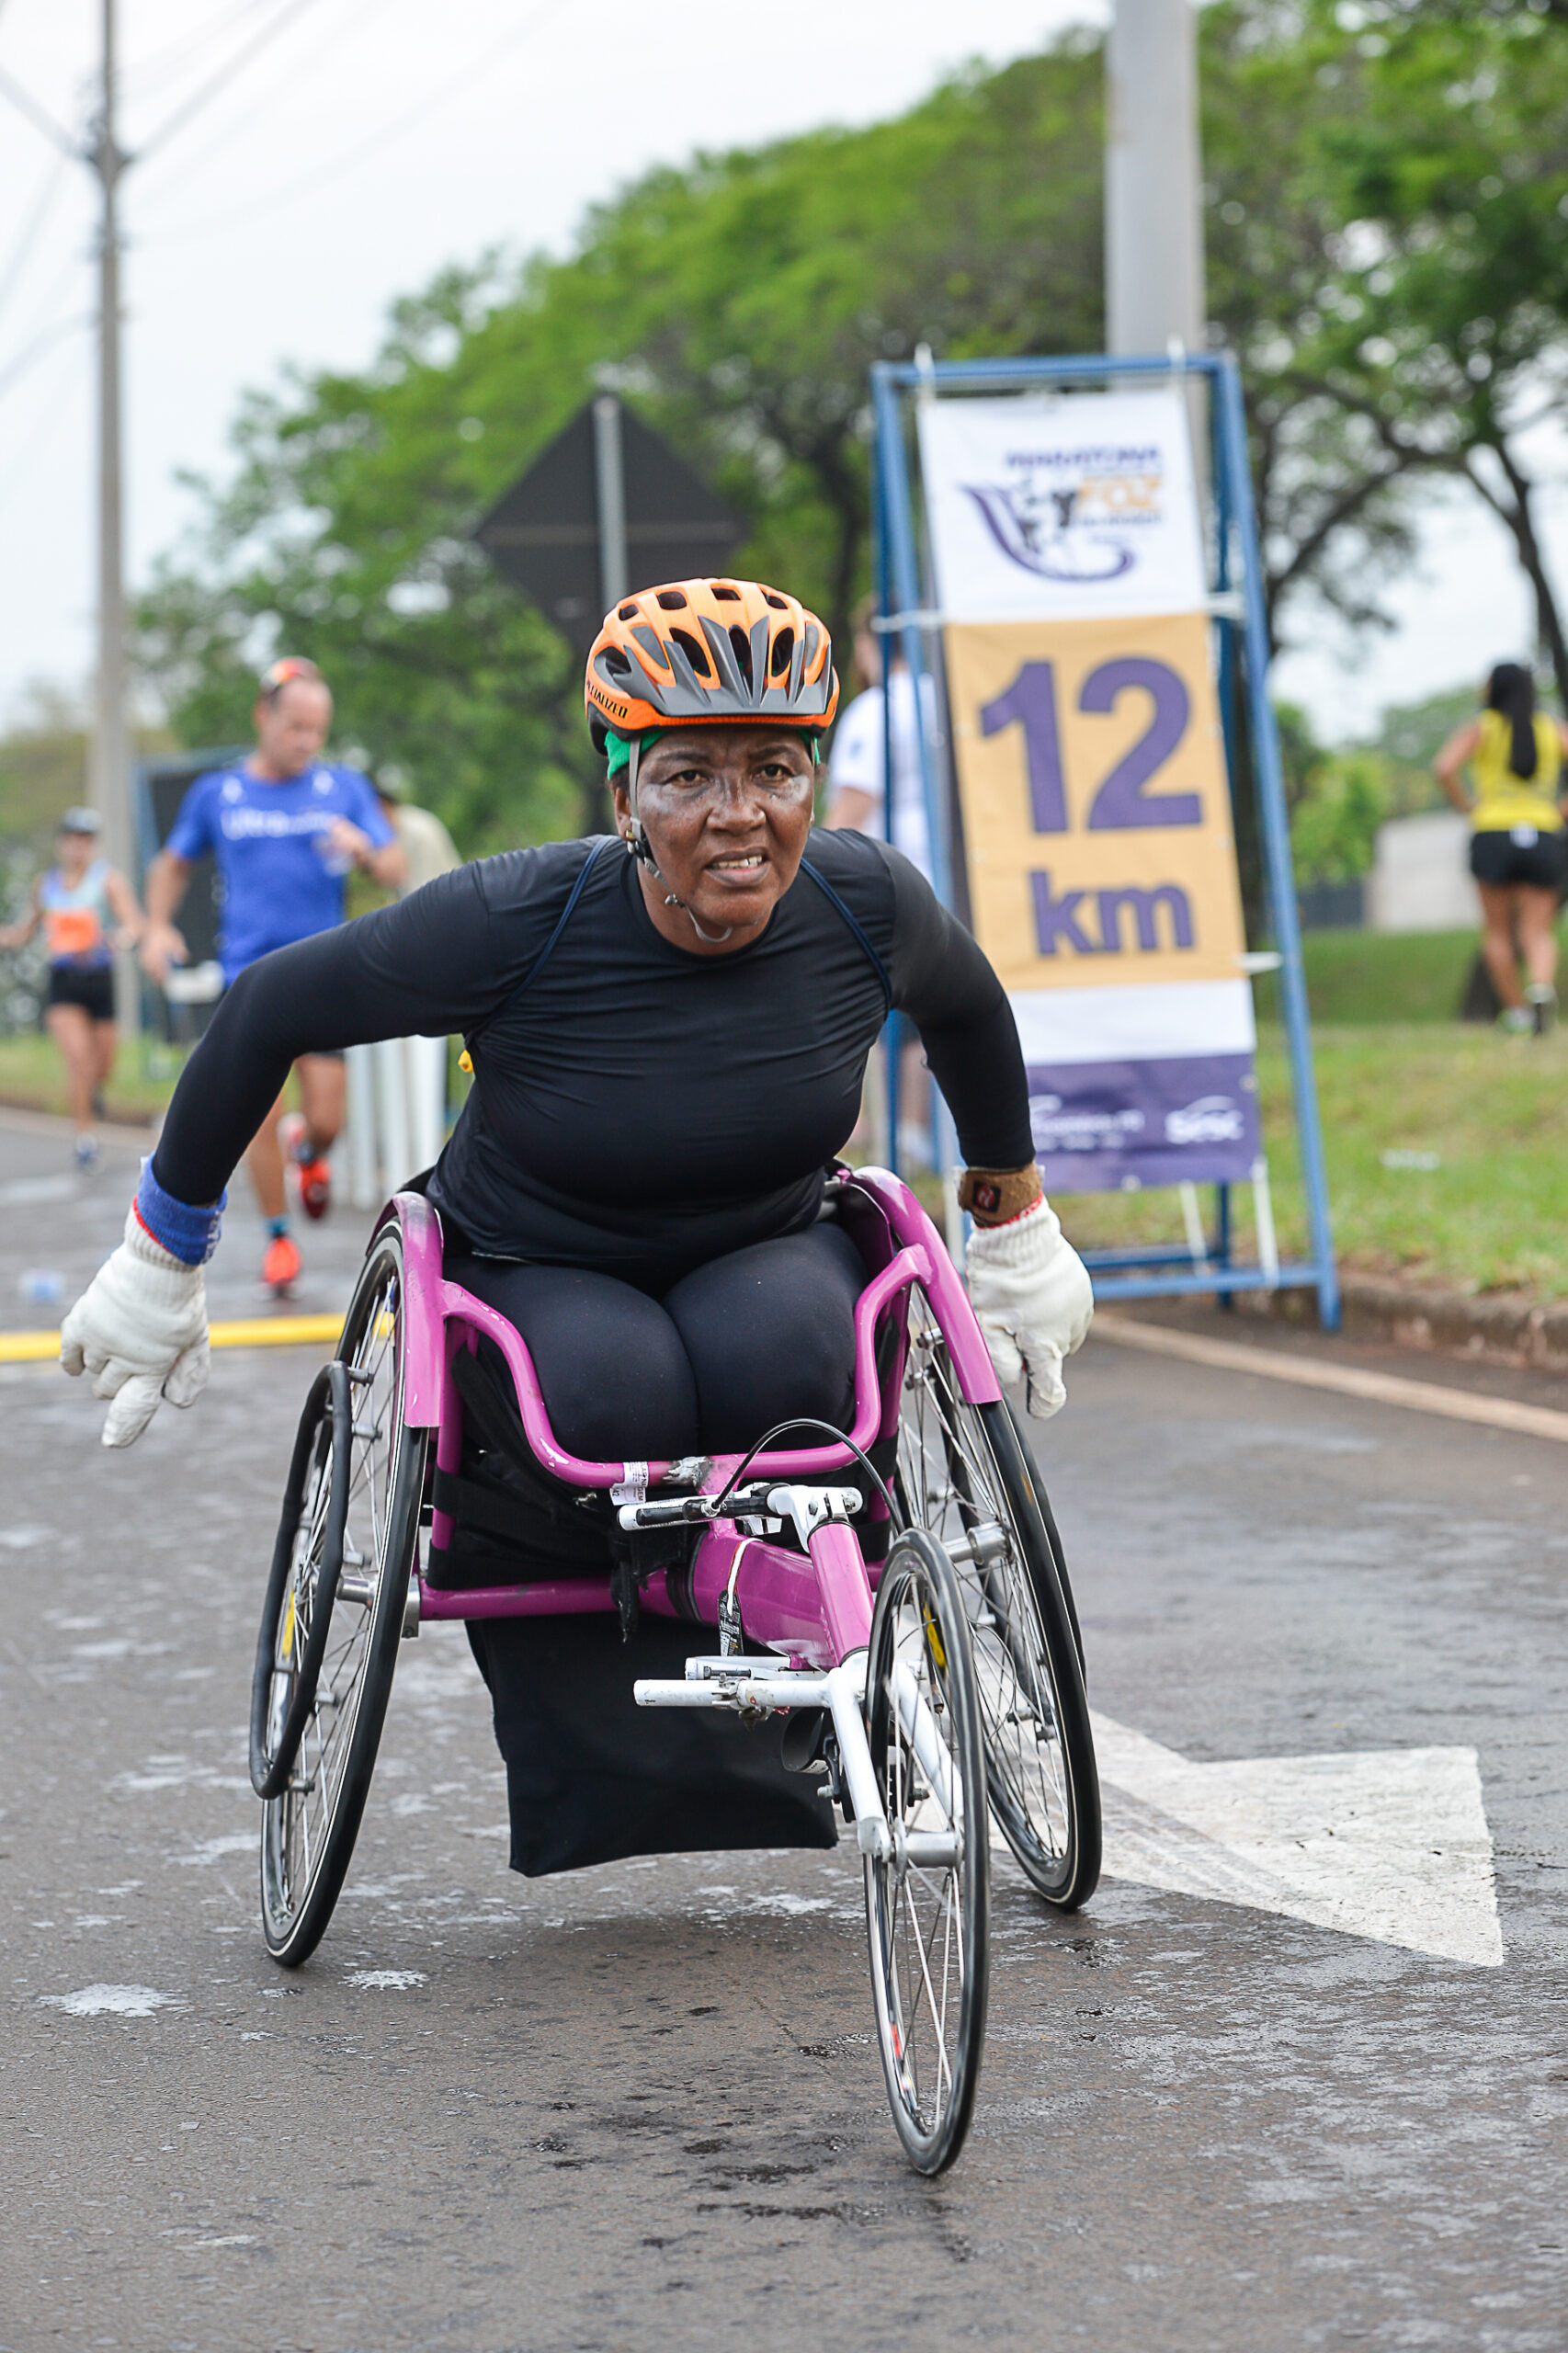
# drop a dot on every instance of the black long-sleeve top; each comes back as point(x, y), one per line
point(636, 1109)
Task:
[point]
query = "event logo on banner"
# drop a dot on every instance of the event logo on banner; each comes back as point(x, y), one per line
point(1096, 816)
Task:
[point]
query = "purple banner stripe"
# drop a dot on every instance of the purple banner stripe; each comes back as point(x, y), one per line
point(1116, 1127)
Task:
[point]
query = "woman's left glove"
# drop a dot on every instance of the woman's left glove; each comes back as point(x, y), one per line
point(141, 1326)
point(1033, 1300)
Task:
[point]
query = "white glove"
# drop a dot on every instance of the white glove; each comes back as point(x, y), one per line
point(1033, 1301)
point(141, 1327)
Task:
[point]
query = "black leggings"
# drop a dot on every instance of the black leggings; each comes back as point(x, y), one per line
point(733, 1348)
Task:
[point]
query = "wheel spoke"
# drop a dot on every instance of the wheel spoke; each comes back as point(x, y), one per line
point(920, 1938)
point(305, 1833)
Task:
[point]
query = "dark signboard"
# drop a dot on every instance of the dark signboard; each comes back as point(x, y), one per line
point(547, 533)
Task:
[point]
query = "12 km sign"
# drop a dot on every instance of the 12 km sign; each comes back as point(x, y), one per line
point(1096, 812)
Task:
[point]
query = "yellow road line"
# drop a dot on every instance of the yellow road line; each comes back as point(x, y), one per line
point(1346, 1379)
point(246, 1332)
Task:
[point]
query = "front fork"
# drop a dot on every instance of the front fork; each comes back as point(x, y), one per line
point(818, 1612)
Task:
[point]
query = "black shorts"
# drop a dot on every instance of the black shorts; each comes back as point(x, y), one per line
point(1499, 858)
point(93, 990)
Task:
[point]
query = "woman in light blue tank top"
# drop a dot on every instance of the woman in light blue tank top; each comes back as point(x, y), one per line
point(86, 910)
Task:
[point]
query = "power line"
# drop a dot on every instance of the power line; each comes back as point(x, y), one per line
point(223, 76)
point(430, 104)
point(40, 119)
point(31, 353)
point(172, 60)
point(25, 454)
point(24, 248)
point(192, 156)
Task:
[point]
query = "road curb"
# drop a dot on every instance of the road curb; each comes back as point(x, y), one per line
point(243, 1332)
point(1504, 1331)
point(1344, 1380)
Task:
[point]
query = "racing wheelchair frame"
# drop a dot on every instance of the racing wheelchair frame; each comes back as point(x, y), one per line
point(936, 1691)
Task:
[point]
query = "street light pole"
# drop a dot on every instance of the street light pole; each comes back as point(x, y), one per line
point(1154, 289)
point(111, 766)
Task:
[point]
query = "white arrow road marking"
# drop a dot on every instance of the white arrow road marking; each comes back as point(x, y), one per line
point(1391, 1843)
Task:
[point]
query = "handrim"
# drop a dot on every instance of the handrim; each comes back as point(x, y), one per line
point(309, 1830)
point(1038, 1751)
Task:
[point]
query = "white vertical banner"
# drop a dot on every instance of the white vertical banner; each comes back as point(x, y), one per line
point(1097, 836)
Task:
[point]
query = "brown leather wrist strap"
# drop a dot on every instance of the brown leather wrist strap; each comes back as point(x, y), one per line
point(996, 1196)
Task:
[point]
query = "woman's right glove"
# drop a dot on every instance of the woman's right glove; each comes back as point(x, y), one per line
point(140, 1327)
point(1030, 1292)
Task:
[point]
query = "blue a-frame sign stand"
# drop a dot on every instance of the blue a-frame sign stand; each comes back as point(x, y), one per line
point(1237, 608)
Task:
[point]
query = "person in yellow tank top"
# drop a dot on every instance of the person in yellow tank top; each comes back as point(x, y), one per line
point(1518, 849)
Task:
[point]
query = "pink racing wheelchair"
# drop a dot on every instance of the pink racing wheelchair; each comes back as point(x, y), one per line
point(936, 1690)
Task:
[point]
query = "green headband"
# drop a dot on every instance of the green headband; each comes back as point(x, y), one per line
point(618, 748)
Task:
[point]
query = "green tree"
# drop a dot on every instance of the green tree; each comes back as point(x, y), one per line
point(1334, 830)
point(1331, 494)
point(1447, 162)
point(739, 305)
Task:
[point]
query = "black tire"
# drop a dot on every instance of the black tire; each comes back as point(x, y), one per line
point(296, 1616)
point(310, 1826)
point(927, 1915)
point(966, 1475)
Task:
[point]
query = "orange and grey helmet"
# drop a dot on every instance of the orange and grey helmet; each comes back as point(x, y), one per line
point(710, 653)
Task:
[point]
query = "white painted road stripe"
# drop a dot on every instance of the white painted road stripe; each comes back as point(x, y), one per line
point(1346, 1379)
point(1391, 1843)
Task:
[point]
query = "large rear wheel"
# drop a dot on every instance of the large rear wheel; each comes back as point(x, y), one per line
point(965, 1475)
point(314, 1736)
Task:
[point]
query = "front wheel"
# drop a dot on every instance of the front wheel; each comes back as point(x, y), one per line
point(317, 1767)
point(927, 1902)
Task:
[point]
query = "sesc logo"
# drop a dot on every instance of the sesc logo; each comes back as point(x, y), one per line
point(1213, 1119)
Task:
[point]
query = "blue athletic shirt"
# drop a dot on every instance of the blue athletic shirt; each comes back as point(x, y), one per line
point(277, 886)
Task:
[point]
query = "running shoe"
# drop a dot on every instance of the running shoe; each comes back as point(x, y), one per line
point(87, 1153)
point(280, 1265)
point(312, 1174)
point(1518, 1019)
point(1541, 999)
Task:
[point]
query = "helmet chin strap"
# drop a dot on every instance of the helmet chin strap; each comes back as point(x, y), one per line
point(638, 846)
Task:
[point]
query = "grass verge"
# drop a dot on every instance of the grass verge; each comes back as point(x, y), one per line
point(1493, 1110)
point(31, 1073)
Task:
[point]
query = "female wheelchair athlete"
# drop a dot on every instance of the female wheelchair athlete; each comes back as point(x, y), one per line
point(936, 1687)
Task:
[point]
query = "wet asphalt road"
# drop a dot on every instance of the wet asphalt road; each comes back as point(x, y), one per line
point(640, 2106)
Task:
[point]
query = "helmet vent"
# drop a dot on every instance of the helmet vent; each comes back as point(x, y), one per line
point(615, 662)
point(783, 646)
point(779, 604)
point(742, 644)
point(695, 653)
point(626, 613)
point(724, 593)
point(672, 600)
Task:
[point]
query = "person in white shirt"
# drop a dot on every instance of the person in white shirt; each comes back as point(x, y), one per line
point(857, 766)
point(857, 801)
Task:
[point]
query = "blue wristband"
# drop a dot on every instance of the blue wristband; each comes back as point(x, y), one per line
point(188, 1234)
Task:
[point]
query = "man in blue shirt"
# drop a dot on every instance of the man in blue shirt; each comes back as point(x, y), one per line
point(286, 828)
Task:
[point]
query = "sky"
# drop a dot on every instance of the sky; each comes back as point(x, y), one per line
point(353, 147)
